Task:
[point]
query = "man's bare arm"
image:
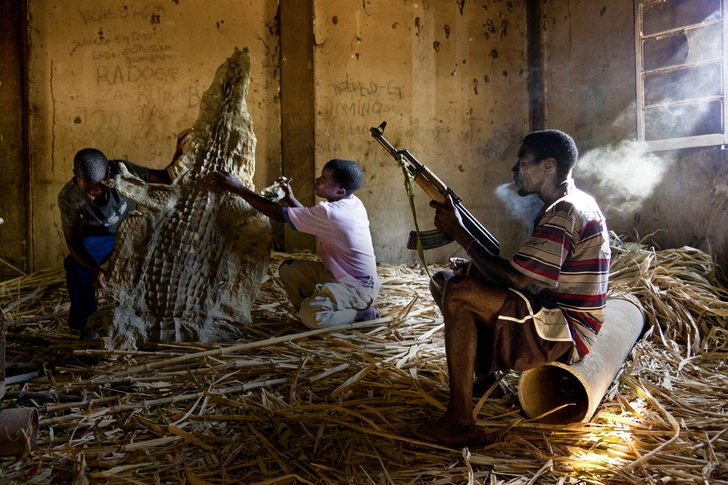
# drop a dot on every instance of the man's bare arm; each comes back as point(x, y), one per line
point(162, 176)
point(447, 221)
point(289, 199)
point(231, 183)
point(498, 268)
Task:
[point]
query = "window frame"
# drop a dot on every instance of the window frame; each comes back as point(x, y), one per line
point(696, 141)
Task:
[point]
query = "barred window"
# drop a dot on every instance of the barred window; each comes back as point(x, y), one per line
point(681, 69)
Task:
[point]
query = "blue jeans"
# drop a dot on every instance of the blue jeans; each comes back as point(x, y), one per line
point(80, 290)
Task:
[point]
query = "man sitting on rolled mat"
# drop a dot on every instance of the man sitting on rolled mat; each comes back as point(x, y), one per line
point(546, 303)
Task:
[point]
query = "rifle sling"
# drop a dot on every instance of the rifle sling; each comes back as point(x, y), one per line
point(408, 179)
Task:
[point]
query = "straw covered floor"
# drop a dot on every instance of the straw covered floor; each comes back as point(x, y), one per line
point(290, 405)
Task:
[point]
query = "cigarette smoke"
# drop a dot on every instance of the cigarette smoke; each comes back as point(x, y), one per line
point(623, 175)
point(523, 209)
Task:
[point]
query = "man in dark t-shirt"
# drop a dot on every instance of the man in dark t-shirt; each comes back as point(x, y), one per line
point(91, 214)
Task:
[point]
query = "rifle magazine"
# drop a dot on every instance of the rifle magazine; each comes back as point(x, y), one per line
point(430, 239)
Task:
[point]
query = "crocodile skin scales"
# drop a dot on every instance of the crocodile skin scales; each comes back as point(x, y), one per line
point(190, 266)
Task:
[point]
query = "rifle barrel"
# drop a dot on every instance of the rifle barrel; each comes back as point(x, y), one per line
point(415, 168)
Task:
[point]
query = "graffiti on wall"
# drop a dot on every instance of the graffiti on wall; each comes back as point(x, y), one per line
point(348, 108)
point(131, 73)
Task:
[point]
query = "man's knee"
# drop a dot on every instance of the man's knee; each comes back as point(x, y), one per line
point(458, 288)
point(483, 301)
point(311, 314)
point(322, 311)
point(439, 279)
point(308, 318)
point(437, 285)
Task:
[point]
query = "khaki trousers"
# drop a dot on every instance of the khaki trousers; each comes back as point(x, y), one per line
point(320, 299)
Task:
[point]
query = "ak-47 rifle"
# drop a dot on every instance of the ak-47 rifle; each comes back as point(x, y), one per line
point(437, 191)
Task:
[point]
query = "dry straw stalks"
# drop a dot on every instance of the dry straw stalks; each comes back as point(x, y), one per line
point(286, 405)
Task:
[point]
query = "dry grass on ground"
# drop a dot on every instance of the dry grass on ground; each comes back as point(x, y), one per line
point(287, 406)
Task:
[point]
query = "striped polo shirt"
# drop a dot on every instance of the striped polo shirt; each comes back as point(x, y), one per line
point(568, 256)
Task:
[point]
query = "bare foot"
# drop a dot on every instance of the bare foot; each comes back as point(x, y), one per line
point(446, 433)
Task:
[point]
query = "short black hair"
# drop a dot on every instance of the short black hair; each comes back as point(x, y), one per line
point(347, 173)
point(90, 165)
point(553, 144)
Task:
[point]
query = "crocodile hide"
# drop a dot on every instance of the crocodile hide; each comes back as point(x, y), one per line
point(189, 267)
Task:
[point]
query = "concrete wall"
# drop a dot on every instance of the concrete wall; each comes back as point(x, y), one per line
point(451, 78)
point(126, 78)
point(448, 77)
point(681, 196)
point(13, 181)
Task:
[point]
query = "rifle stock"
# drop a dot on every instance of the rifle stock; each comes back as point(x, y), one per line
point(437, 191)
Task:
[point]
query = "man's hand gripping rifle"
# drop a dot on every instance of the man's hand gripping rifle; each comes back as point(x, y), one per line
point(437, 191)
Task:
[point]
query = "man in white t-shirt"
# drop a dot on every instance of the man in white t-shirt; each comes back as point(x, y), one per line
point(344, 285)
